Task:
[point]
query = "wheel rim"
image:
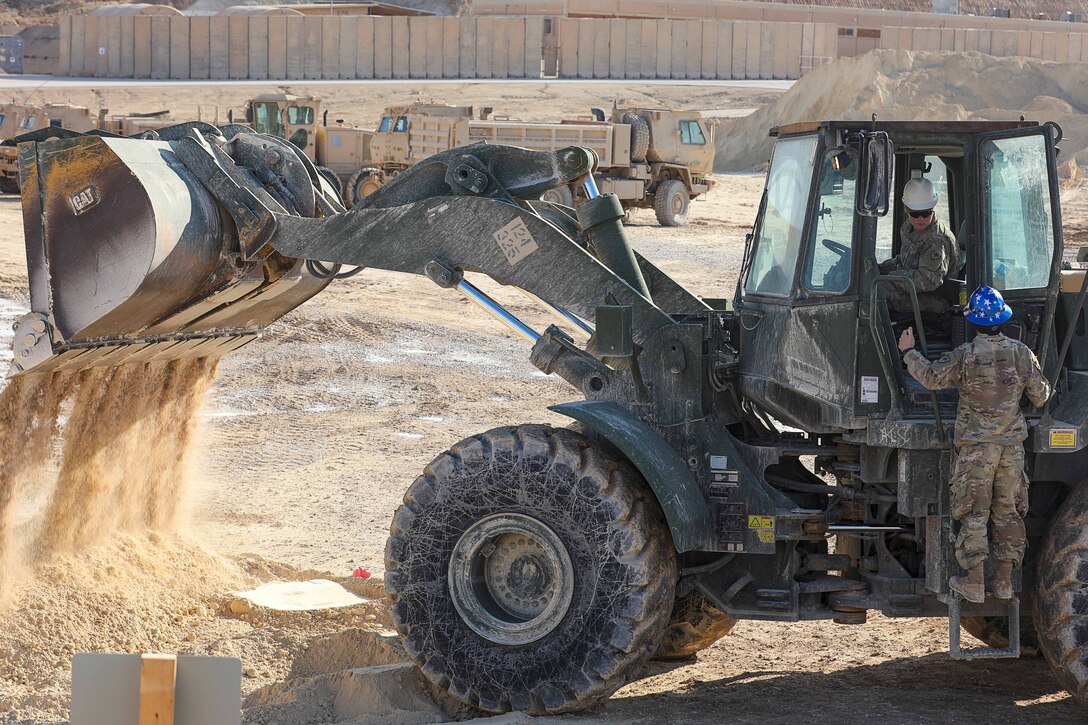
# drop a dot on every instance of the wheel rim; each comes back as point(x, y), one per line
point(677, 204)
point(511, 578)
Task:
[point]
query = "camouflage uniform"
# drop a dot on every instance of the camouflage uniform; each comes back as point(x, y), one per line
point(992, 372)
point(926, 258)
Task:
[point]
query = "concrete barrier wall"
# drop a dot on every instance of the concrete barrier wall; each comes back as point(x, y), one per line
point(1044, 45)
point(349, 47)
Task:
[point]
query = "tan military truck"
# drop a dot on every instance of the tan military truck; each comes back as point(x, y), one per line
point(650, 158)
point(20, 118)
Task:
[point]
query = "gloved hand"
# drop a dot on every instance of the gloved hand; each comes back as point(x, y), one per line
point(887, 266)
point(906, 340)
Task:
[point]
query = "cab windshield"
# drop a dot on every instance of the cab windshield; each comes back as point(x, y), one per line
point(266, 119)
point(386, 124)
point(1016, 211)
point(778, 236)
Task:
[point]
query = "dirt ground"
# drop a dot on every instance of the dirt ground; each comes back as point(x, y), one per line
point(311, 434)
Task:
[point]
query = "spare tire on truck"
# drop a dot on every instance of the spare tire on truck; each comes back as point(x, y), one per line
point(640, 136)
point(530, 569)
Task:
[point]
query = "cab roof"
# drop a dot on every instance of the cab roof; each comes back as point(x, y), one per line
point(894, 128)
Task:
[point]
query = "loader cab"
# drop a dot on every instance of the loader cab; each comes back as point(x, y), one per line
point(818, 345)
point(289, 117)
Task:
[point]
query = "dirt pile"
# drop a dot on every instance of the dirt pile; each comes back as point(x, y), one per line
point(93, 452)
point(908, 85)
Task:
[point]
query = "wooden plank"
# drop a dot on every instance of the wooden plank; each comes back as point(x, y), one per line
point(345, 64)
point(647, 62)
point(724, 67)
point(586, 31)
point(219, 47)
point(434, 47)
point(793, 50)
point(160, 46)
point(534, 47)
point(755, 50)
point(694, 57)
point(127, 48)
point(330, 47)
point(113, 45)
point(199, 46)
point(601, 33)
point(311, 46)
point(364, 46)
point(257, 35)
point(451, 32)
point(500, 47)
point(238, 53)
point(678, 63)
point(64, 29)
point(708, 65)
point(617, 48)
point(417, 45)
point(664, 49)
point(158, 674)
point(296, 62)
point(141, 45)
point(740, 48)
point(466, 44)
point(277, 46)
point(179, 47)
point(401, 47)
point(632, 49)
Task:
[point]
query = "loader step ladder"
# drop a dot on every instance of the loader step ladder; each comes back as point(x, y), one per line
point(958, 653)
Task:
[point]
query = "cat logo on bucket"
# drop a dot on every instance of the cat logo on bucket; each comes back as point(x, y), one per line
point(84, 200)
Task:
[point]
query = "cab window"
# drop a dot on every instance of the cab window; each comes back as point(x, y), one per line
point(691, 133)
point(1, 119)
point(266, 119)
point(300, 115)
point(831, 243)
point(386, 124)
point(28, 122)
point(1016, 211)
point(887, 233)
point(778, 239)
point(401, 125)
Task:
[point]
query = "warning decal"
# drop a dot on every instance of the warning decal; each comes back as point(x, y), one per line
point(764, 528)
point(1063, 438)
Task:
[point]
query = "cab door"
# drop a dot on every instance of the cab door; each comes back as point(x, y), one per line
point(1020, 242)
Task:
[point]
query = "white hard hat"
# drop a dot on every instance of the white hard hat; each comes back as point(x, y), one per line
point(919, 194)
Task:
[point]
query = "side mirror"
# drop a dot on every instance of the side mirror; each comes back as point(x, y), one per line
point(874, 174)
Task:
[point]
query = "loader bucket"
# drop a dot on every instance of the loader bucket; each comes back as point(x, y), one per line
point(130, 259)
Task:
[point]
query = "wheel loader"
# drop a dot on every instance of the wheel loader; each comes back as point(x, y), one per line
point(761, 457)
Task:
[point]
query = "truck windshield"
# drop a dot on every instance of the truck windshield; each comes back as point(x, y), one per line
point(690, 133)
point(778, 238)
point(300, 115)
point(386, 124)
point(266, 119)
point(1016, 211)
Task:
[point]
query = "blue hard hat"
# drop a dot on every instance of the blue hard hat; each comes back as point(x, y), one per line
point(987, 307)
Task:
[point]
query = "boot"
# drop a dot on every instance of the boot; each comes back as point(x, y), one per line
point(971, 586)
point(1002, 583)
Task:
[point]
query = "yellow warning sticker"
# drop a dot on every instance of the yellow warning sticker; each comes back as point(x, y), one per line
point(767, 537)
point(1060, 438)
point(764, 528)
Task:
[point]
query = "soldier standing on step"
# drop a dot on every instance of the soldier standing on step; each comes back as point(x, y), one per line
point(992, 372)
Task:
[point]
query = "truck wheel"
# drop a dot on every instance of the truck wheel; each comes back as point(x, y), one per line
point(364, 182)
point(558, 195)
point(640, 136)
point(994, 631)
point(671, 203)
point(332, 178)
point(530, 569)
point(1061, 603)
point(8, 187)
point(694, 625)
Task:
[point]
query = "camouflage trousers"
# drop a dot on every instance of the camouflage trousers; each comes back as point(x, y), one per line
point(989, 484)
point(898, 298)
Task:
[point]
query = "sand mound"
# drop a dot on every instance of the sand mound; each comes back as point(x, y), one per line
point(907, 85)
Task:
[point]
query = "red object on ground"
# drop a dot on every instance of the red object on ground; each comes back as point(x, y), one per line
point(361, 572)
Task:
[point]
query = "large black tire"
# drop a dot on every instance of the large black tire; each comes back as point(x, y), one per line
point(559, 195)
point(363, 183)
point(454, 603)
point(994, 631)
point(694, 625)
point(640, 136)
point(671, 203)
point(8, 187)
point(1061, 595)
point(330, 176)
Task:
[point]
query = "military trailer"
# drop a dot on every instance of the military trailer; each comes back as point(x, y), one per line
point(763, 457)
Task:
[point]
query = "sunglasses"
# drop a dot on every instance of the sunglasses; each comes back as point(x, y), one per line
point(920, 214)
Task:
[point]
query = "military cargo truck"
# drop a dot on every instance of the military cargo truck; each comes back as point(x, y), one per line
point(649, 158)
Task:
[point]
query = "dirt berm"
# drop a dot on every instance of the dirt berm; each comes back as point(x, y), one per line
point(908, 85)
